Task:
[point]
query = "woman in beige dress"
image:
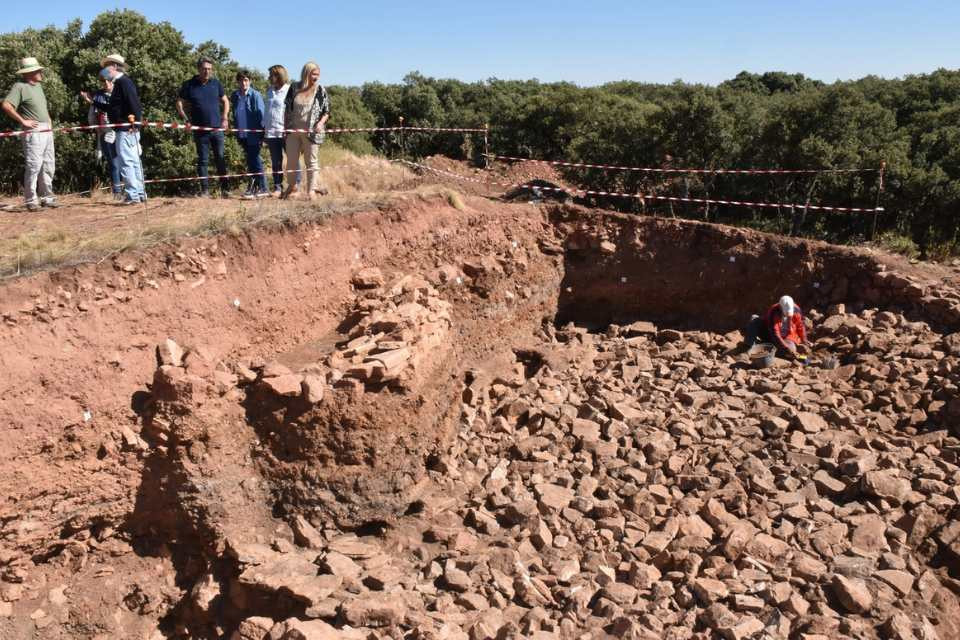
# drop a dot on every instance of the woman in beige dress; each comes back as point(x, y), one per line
point(307, 107)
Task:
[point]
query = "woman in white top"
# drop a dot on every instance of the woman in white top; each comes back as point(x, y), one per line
point(273, 122)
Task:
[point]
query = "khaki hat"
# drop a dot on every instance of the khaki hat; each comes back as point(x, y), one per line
point(113, 58)
point(28, 65)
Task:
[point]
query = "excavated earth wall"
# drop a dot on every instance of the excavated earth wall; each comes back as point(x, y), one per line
point(696, 275)
point(397, 425)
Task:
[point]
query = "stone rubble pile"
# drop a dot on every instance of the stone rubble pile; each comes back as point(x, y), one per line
point(659, 487)
point(394, 329)
point(398, 326)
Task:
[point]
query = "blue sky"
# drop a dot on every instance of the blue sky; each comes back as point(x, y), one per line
point(584, 42)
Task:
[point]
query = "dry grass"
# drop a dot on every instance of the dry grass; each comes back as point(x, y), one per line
point(353, 184)
point(344, 174)
point(432, 191)
point(455, 200)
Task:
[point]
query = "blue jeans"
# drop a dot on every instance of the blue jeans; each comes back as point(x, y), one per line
point(204, 141)
point(109, 152)
point(128, 153)
point(275, 145)
point(251, 147)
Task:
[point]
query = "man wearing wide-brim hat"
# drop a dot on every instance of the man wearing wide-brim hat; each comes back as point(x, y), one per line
point(27, 106)
point(125, 108)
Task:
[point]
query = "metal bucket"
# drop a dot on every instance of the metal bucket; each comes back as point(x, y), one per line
point(762, 355)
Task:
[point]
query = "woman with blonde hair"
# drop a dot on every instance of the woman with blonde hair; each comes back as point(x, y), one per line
point(306, 107)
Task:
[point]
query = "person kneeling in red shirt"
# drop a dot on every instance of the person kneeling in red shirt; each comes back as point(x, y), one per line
point(782, 325)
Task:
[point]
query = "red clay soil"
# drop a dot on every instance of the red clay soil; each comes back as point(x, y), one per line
point(83, 345)
point(700, 275)
point(100, 214)
point(80, 508)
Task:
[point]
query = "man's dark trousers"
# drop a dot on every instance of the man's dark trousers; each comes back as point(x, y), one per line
point(204, 141)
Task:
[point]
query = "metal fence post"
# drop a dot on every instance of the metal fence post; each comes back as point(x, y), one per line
point(876, 208)
point(486, 145)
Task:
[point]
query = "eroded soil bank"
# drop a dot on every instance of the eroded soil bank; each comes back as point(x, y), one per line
point(385, 423)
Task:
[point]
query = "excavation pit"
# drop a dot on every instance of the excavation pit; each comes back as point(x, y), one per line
point(545, 431)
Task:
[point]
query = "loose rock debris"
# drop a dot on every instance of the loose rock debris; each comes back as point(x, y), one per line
point(654, 486)
point(633, 480)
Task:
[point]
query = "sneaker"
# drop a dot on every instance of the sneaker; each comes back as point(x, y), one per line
point(33, 206)
point(128, 202)
point(262, 194)
point(50, 204)
point(277, 189)
point(203, 194)
point(248, 195)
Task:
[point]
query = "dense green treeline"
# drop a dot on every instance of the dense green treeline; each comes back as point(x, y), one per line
point(769, 120)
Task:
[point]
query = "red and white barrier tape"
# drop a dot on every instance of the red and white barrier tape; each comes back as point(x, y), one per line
point(188, 127)
point(641, 196)
point(613, 167)
point(248, 175)
point(217, 177)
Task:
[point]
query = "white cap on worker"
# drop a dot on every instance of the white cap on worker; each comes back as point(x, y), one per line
point(786, 305)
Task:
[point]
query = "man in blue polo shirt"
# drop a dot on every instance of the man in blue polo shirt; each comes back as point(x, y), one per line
point(209, 107)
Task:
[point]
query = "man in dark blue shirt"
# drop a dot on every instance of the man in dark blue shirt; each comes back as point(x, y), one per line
point(209, 107)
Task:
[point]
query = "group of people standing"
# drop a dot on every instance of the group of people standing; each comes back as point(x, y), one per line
point(26, 104)
point(303, 106)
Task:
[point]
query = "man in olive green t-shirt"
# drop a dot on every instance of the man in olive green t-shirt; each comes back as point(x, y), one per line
point(27, 106)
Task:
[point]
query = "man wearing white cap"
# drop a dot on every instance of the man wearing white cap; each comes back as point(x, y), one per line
point(782, 325)
point(125, 108)
point(26, 104)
